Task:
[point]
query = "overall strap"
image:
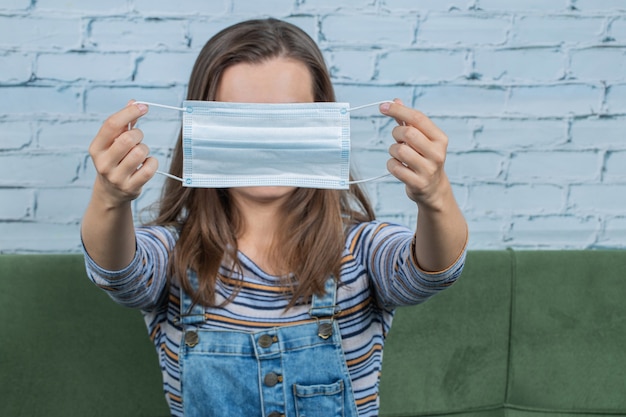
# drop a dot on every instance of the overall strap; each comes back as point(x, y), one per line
point(189, 314)
point(326, 305)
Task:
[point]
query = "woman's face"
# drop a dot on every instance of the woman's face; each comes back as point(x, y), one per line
point(277, 80)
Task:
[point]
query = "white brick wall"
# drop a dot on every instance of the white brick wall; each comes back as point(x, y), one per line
point(532, 94)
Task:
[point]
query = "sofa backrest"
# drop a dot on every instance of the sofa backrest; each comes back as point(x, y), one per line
point(528, 333)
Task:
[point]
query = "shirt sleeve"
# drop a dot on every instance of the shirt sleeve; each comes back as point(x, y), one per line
point(388, 254)
point(142, 283)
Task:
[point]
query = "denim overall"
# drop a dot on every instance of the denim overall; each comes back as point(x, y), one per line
point(291, 371)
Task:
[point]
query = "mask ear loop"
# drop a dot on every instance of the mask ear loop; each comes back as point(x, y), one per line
point(377, 103)
point(166, 174)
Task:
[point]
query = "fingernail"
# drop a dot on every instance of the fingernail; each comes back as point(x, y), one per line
point(385, 107)
point(142, 107)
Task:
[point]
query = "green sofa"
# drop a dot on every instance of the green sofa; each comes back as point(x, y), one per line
point(523, 333)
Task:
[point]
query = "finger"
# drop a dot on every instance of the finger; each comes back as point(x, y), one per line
point(117, 123)
point(413, 137)
point(402, 172)
point(122, 145)
point(408, 156)
point(413, 118)
point(144, 173)
point(133, 160)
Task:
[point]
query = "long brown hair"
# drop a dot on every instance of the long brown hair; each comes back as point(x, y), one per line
point(308, 248)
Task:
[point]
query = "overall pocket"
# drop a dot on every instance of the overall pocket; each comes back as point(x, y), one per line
point(319, 400)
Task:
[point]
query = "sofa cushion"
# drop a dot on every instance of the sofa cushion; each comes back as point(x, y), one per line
point(568, 347)
point(449, 355)
point(66, 349)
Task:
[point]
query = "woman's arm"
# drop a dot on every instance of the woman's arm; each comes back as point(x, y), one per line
point(418, 158)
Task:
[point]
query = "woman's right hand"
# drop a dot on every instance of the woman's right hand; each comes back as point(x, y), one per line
point(121, 160)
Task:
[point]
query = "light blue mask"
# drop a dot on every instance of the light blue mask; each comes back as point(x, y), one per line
point(248, 144)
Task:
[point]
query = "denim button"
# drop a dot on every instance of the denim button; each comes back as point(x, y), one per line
point(272, 379)
point(325, 330)
point(191, 339)
point(265, 341)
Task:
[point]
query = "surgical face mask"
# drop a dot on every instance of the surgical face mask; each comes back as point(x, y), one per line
point(259, 144)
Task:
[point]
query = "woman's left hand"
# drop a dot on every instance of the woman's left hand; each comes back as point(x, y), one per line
point(418, 156)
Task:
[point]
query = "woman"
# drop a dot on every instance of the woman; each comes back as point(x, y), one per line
point(269, 300)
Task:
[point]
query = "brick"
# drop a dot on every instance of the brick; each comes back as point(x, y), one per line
point(33, 99)
point(62, 205)
point(255, 8)
point(187, 7)
point(520, 199)
point(610, 6)
point(307, 23)
point(368, 29)
point(200, 31)
point(614, 233)
point(109, 6)
point(352, 65)
point(555, 100)
point(509, 134)
point(359, 95)
point(617, 30)
point(529, 64)
point(39, 34)
point(509, 6)
point(600, 198)
point(16, 68)
point(75, 135)
point(554, 231)
point(460, 133)
point(160, 134)
point(463, 30)
point(138, 35)
point(606, 64)
point(365, 133)
point(598, 133)
point(39, 237)
point(424, 5)
point(556, 30)
point(477, 166)
point(615, 169)
point(616, 99)
point(392, 198)
point(17, 204)
point(555, 166)
point(83, 6)
point(369, 163)
point(15, 135)
point(108, 100)
point(486, 233)
point(41, 169)
point(414, 66)
point(15, 4)
point(165, 68)
point(461, 100)
point(318, 6)
point(84, 66)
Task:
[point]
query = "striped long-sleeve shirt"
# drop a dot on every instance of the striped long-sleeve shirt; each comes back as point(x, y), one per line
point(378, 273)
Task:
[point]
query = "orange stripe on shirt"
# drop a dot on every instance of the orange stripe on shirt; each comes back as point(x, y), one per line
point(376, 348)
